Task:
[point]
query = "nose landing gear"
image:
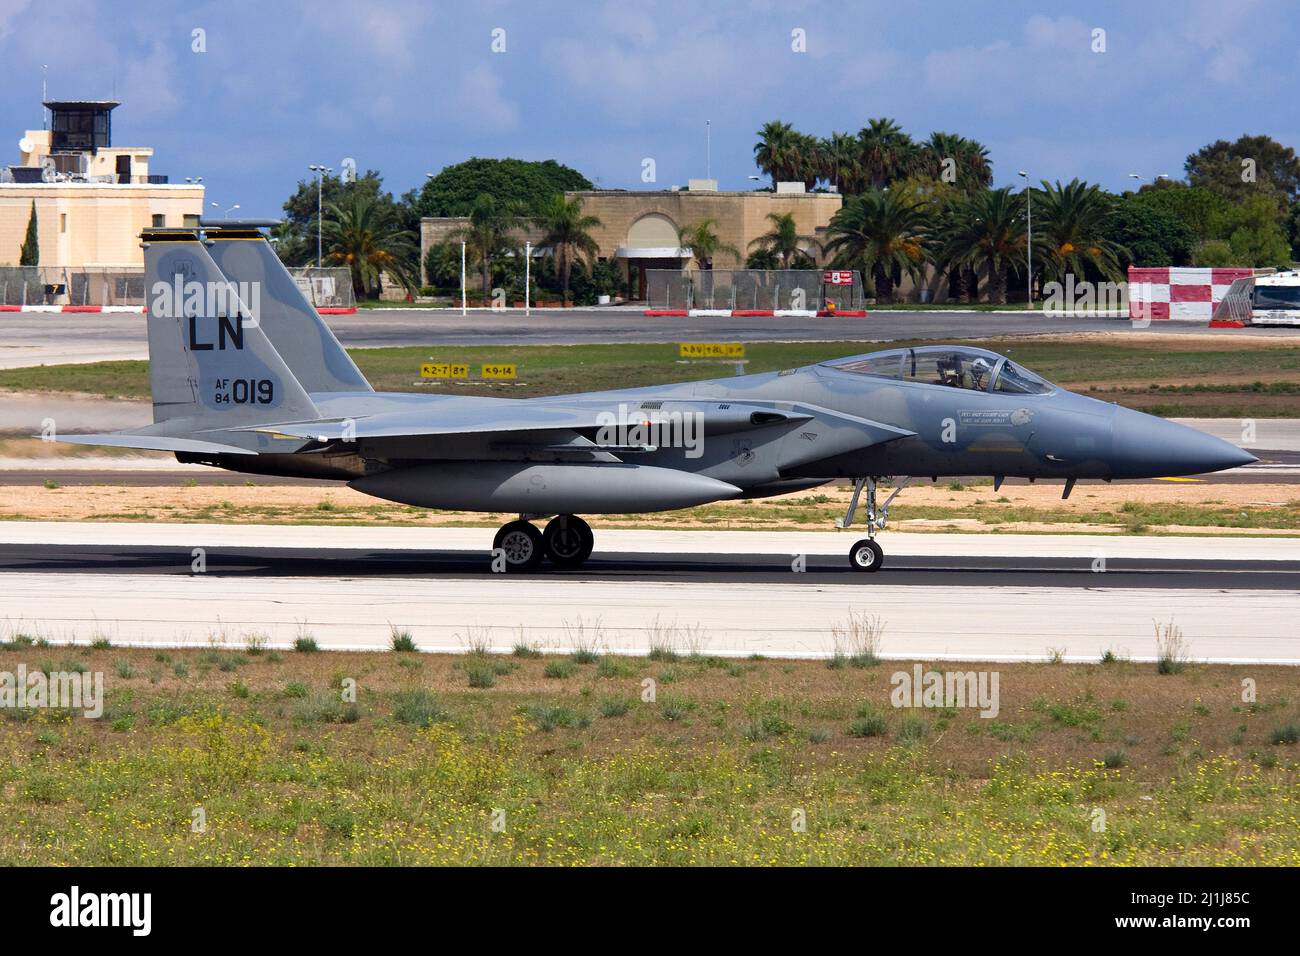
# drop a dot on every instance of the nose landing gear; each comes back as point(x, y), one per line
point(519, 547)
point(866, 555)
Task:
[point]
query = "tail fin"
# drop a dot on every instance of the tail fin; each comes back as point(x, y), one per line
point(211, 365)
point(289, 320)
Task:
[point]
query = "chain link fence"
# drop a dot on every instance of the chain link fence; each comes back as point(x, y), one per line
point(325, 288)
point(46, 285)
point(796, 289)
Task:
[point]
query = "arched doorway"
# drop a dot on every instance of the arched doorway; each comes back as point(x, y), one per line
point(651, 244)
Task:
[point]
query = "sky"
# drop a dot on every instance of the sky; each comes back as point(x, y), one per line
point(409, 86)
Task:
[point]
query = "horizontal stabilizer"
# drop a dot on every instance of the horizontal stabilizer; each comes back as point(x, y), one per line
point(155, 443)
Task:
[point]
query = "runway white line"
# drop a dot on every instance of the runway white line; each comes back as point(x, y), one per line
point(780, 620)
point(614, 541)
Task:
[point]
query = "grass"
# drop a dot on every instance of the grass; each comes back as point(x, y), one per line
point(1148, 373)
point(402, 642)
point(411, 770)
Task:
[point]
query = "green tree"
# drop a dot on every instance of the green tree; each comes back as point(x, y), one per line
point(296, 237)
point(1215, 253)
point(967, 160)
point(704, 242)
point(840, 163)
point(1199, 209)
point(777, 151)
point(1149, 236)
point(568, 235)
point(1255, 234)
point(886, 153)
point(784, 240)
point(880, 234)
point(988, 232)
point(521, 184)
point(30, 253)
point(442, 263)
point(1072, 223)
point(366, 235)
point(488, 235)
point(1248, 165)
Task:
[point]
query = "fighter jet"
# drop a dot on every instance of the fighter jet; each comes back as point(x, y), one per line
point(246, 376)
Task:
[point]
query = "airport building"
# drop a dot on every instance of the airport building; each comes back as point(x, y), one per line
point(92, 199)
point(640, 229)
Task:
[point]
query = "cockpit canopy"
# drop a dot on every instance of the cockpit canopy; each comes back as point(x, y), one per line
point(953, 366)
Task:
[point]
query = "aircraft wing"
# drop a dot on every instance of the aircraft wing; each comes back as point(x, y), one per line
point(529, 417)
point(155, 443)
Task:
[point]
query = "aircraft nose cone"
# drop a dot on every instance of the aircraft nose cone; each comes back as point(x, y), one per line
point(1150, 447)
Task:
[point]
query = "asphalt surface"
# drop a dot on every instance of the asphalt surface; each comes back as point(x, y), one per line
point(952, 597)
point(954, 570)
point(39, 338)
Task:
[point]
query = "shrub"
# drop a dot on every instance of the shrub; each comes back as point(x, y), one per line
point(1171, 649)
point(615, 706)
point(559, 669)
point(418, 707)
point(1286, 734)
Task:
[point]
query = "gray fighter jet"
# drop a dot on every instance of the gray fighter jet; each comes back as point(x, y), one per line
point(246, 376)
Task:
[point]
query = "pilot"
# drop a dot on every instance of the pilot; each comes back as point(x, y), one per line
point(979, 371)
point(949, 370)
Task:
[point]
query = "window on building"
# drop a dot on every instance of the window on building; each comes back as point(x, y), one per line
point(191, 219)
point(159, 220)
point(63, 222)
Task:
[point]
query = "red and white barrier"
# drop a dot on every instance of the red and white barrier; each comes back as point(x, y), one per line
point(133, 309)
point(756, 313)
point(1179, 294)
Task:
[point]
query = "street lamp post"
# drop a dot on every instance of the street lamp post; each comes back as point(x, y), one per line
point(528, 272)
point(1029, 237)
point(320, 172)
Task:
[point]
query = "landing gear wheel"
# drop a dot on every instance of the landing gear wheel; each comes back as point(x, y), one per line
point(568, 541)
point(866, 555)
point(520, 544)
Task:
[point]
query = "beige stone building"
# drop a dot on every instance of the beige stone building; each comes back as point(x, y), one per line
point(92, 198)
point(639, 229)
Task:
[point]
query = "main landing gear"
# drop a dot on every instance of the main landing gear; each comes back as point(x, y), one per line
point(866, 555)
point(520, 547)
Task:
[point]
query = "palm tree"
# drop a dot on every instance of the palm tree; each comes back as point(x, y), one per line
point(366, 235)
point(880, 234)
point(841, 163)
point(988, 232)
point(567, 234)
point(783, 239)
point(703, 241)
point(776, 152)
point(970, 160)
point(487, 235)
point(809, 162)
point(1071, 221)
point(885, 152)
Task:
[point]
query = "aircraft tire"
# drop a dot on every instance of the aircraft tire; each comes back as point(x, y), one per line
point(568, 541)
point(520, 544)
point(866, 555)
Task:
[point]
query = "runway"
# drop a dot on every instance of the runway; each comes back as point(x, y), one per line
point(977, 597)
